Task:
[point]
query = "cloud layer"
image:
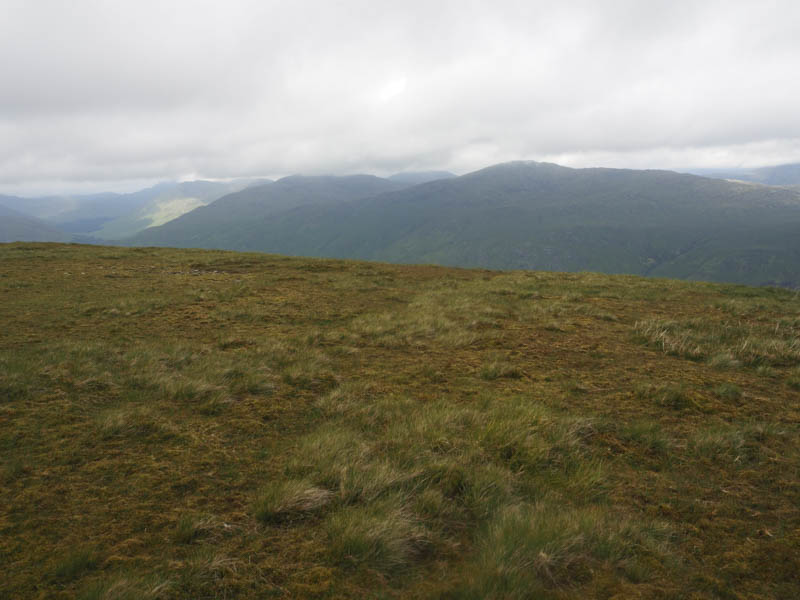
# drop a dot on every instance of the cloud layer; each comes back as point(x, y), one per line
point(97, 94)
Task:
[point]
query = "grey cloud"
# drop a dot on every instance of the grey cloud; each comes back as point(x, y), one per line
point(113, 92)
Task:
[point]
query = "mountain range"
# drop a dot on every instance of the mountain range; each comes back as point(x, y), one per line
point(784, 175)
point(520, 215)
point(111, 216)
point(17, 226)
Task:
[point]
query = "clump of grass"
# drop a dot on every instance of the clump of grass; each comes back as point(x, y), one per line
point(530, 550)
point(242, 382)
point(557, 326)
point(765, 371)
point(674, 396)
point(728, 391)
point(190, 527)
point(133, 423)
point(336, 458)
point(470, 492)
point(307, 368)
point(182, 389)
point(647, 434)
point(743, 444)
point(383, 536)
point(206, 574)
point(287, 499)
point(499, 369)
point(214, 406)
point(346, 398)
point(75, 564)
point(233, 343)
point(724, 361)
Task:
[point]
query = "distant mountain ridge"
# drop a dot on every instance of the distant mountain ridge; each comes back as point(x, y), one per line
point(777, 175)
point(15, 227)
point(417, 177)
point(167, 202)
point(520, 215)
point(111, 216)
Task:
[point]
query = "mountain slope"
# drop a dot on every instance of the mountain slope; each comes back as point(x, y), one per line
point(167, 202)
point(15, 227)
point(536, 216)
point(241, 215)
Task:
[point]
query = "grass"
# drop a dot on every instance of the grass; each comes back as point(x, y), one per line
point(383, 536)
point(75, 563)
point(535, 550)
point(670, 395)
point(202, 424)
point(285, 499)
point(726, 344)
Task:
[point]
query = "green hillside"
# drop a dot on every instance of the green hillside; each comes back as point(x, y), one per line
point(166, 202)
point(206, 424)
point(528, 216)
point(222, 223)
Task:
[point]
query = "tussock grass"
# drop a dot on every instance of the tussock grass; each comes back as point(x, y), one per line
point(674, 396)
point(445, 469)
point(498, 368)
point(649, 435)
point(383, 536)
point(530, 550)
point(137, 423)
point(724, 344)
point(205, 574)
point(745, 445)
point(190, 528)
point(75, 564)
point(728, 391)
point(281, 500)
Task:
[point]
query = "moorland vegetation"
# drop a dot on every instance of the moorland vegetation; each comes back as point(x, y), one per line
point(209, 424)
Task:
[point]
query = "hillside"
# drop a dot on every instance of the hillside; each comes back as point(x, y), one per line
point(166, 202)
point(206, 424)
point(241, 216)
point(528, 216)
point(15, 226)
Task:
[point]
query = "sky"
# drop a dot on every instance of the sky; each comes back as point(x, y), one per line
point(114, 95)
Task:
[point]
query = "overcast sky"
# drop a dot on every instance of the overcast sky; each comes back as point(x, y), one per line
point(112, 95)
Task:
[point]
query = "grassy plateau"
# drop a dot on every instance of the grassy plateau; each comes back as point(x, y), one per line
point(209, 424)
